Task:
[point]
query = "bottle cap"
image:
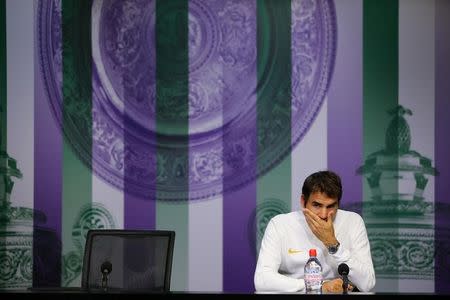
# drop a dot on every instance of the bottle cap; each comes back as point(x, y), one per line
point(312, 252)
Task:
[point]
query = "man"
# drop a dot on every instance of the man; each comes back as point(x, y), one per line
point(339, 236)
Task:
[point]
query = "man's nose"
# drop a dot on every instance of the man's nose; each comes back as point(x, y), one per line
point(323, 213)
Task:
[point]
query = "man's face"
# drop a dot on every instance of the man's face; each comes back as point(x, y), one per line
point(321, 205)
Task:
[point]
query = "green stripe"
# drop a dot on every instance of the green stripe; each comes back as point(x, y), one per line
point(380, 72)
point(380, 82)
point(273, 104)
point(172, 104)
point(77, 108)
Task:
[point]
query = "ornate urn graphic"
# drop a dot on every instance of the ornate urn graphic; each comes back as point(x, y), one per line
point(16, 231)
point(400, 221)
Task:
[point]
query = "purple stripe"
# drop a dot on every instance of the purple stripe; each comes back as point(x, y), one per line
point(139, 212)
point(239, 157)
point(238, 255)
point(442, 146)
point(239, 206)
point(47, 189)
point(345, 103)
point(140, 156)
point(139, 176)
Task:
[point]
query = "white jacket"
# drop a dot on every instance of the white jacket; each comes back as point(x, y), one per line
point(285, 250)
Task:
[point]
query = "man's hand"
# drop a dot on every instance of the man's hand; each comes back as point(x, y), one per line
point(322, 229)
point(334, 286)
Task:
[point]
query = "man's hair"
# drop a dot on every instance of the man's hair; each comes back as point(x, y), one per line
point(326, 182)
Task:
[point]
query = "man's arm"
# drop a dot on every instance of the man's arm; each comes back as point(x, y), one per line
point(267, 278)
point(358, 258)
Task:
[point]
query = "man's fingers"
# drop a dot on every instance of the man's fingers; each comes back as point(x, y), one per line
point(309, 221)
point(309, 216)
point(333, 286)
point(312, 225)
point(330, 217)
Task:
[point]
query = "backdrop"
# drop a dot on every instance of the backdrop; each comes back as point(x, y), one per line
point(205, 117)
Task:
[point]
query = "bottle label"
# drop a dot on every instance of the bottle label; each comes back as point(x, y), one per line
point(313, 276)
point(313, 281)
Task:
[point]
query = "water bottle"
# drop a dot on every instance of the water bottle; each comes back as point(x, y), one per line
point(313, 274)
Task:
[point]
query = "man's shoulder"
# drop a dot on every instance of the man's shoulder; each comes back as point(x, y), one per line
point(349, 215)
point(285, 217)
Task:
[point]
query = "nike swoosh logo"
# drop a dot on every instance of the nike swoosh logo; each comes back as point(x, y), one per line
point(293, 251)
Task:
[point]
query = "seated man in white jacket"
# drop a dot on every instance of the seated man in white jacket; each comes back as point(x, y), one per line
point(339, 236)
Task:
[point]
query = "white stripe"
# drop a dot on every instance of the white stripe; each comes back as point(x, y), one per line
point(416, 92)
point(20, 96)
point(112, 198)
point(205, 216)
point(205, 245)
point(416, 71)
point(310, 155)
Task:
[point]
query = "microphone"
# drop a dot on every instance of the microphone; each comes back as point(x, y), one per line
point(105, 268)
point(343, 270)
